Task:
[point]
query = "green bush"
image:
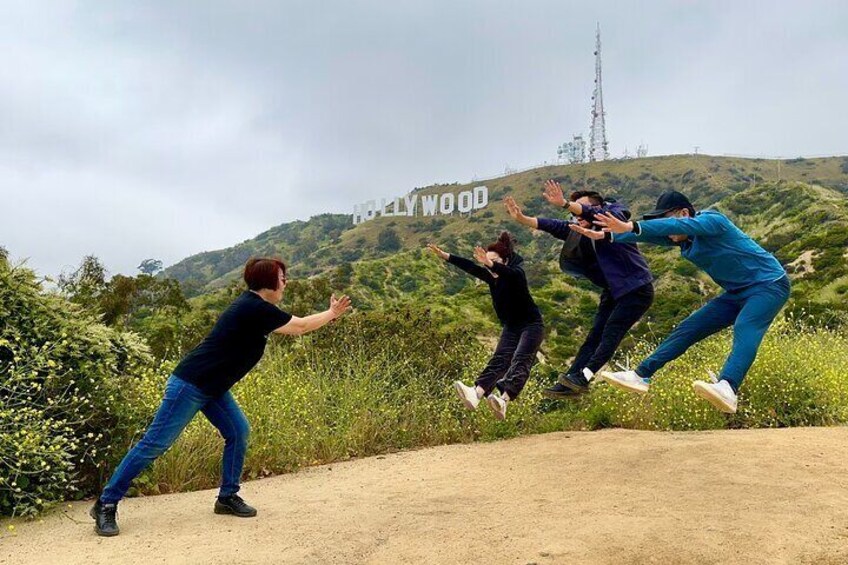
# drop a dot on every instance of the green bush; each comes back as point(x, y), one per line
point(59, 406)
point(380, 381)
point(388, 240)
point(371, 383)
point(796, 381)
point(75, 395)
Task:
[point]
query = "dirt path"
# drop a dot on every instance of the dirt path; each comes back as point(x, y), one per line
point(759, 496)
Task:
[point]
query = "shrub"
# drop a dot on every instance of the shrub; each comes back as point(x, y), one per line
point(795, 381)
point(388, 240)
point(59, 406)
point(373, 382)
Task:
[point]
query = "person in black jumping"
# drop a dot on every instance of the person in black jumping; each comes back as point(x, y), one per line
point(523, 330)
point(621, 272)
point(202, 381)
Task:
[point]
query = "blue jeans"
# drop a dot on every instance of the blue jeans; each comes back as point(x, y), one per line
point(181, 402)
point(750, 311)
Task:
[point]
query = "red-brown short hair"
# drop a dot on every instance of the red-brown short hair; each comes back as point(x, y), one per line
point(262, 272)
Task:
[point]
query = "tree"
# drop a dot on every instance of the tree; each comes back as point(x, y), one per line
point(150, 266)
point(388, 240)
point(342, 276)
point(86, 284)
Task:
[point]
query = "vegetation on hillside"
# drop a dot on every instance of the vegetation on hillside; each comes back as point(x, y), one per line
point(76, 395)
point(326, 241)
point(82, 367)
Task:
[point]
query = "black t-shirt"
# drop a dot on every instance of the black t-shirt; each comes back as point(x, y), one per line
point(234, 346)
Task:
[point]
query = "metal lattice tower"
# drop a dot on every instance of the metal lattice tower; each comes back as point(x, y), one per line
point(598, 147)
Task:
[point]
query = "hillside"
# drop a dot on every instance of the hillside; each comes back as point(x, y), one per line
point(328, 240)
point(803, 219)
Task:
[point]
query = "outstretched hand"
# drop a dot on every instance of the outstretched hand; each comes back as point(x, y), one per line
point(591, 234)
point(612, 224)
point(437, 251)
point(339, 306)
point(512, 208)
point(553, 193)
point(481, 257)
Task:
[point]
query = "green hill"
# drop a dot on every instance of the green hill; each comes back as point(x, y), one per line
point(325, 241)
point(802, 218)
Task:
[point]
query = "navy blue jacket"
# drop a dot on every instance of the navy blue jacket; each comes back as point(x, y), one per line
point(622, 266)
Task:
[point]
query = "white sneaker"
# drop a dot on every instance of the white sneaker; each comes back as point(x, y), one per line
point(498, 406)
point(627, 380)
point(720, 395)
point(467, 394)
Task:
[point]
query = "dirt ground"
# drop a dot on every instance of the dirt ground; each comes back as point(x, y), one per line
point(617, 496)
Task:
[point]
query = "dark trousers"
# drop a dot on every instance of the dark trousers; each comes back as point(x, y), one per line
point(613, 320)
point(509, 367)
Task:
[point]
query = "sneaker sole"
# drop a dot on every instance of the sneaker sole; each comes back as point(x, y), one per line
point(572, 386)
point(229, 512)
point(493, 405)
point(457, 387)
point(643, 388)
point(559, 395)
point(710, 396)
point(100, 532)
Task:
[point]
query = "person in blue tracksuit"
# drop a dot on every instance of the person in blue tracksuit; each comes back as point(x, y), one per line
point(620, 272)
point(755, 285)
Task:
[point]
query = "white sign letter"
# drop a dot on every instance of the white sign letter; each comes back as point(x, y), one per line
point(481, 197)
point(370, 209)
point(448, 203)
point(411, 200)
point(466, 202)
point(428, 202)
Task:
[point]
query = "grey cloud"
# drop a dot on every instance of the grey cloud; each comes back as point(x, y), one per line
point(164, 129)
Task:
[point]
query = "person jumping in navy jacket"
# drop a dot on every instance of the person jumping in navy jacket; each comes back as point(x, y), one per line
point(755, 285)
point(523, 330)
point(619, 270)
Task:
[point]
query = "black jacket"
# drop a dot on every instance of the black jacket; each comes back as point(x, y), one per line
point(510, 295)
point(620, 268)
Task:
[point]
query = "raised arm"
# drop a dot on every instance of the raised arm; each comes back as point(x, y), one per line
point(300, 326)
point(630, 237)
point(507, 271)
point(471, 268)
point(626, 237)
point(703, 224)
point(514, 211)
point(461, 263)
point(554, 195)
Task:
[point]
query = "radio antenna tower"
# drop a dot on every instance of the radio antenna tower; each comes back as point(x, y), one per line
point(598, 135)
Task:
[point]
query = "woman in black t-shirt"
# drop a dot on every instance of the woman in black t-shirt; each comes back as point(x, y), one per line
point(202, 382)
point(523, 331)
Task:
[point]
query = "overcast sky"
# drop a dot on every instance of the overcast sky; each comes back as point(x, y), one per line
point(131, 130)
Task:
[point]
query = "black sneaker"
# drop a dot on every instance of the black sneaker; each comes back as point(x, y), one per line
point(559, 391)
point(577, 383)
point(234, 505)
point(105, 519)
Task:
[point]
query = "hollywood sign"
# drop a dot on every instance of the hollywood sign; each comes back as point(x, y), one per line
point(431, 204)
